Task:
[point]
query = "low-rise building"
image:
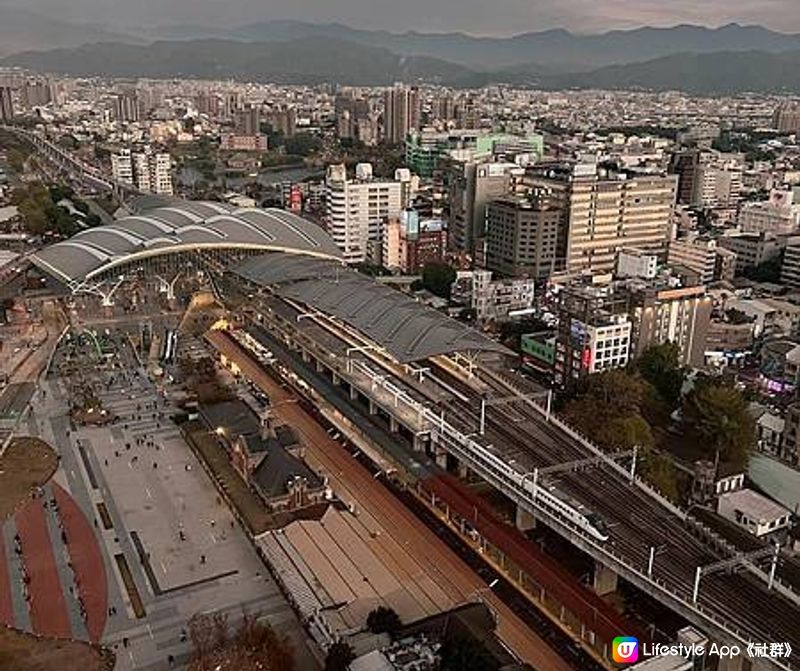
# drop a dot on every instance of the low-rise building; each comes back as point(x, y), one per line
point(268, 458)
point(703, 256)
point(779, 215)
point(409, 243)
point(769, 430)
point(594, 331)
point(752, 249)
point(710, 481)
point(680, 315)
point(493, 300)
point(756, 513)
point(234, 142)
point(790, 451)
point(632, 262)
point(539, 350)
point(773, 316)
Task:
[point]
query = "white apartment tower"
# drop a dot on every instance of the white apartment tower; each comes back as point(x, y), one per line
point(147, 171)
point(122, 167)
point(357, 208)
point(141, 171)
point(160, 173)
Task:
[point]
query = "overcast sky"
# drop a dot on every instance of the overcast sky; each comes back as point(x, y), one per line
point(486, 17)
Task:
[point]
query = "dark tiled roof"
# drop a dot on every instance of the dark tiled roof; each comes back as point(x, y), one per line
point(408, 329)
point(278, 468)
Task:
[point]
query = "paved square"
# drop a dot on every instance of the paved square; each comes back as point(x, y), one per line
point(184, 551)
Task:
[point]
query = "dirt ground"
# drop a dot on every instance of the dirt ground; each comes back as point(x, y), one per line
point(26, 464)
point(26, 652)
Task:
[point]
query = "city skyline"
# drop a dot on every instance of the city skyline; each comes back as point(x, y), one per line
point(508, 17)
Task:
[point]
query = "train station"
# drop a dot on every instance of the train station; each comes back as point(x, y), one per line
point(433, 403)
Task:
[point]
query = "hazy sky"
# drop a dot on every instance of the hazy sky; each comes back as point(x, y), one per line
point(475, 16)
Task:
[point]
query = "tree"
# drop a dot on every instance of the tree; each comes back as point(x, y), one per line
point(607, 407)
point(460, 652)
point(625, 433)
point(717, 415)
point(659, 470)
point(660, 366)
point(339, 656)
point(302, 144)
point(438, 279)
point(383, 620)
point(769, 271)
point(253, 646)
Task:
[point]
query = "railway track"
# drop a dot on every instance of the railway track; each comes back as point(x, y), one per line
point(519, 433)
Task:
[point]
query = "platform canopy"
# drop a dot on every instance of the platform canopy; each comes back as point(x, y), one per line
point(408, 329)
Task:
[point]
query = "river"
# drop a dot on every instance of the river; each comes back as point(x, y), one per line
point(188, 176)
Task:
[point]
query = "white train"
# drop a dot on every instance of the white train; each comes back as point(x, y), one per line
point(575, 511)
point(544, 493)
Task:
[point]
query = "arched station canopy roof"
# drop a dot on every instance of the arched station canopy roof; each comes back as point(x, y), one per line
point(173, 226)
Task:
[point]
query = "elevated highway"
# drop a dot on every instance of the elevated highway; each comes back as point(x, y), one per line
point(90, 176)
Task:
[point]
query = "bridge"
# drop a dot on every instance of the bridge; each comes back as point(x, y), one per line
point(483, 420)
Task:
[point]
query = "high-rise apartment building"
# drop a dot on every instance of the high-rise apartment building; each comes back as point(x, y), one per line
point(37, 93)
point(141, 171)
point(522, 236)
point(356, 208)
point(471, 186)
point(161, 173)
point(607, 210)
point(400, 113)
point(444, 109)
point(787, 118)
point(122, 167)
point(248, 121)
point(283, 121)
point(127, 108)
point(6, 104)
point(147, 171)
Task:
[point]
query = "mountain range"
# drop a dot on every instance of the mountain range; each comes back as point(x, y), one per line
point(727, 59)
point(21, 29)
point(299, 61)
point(556, 51)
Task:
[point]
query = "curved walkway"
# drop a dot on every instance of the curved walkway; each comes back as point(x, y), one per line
point(51, 542)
